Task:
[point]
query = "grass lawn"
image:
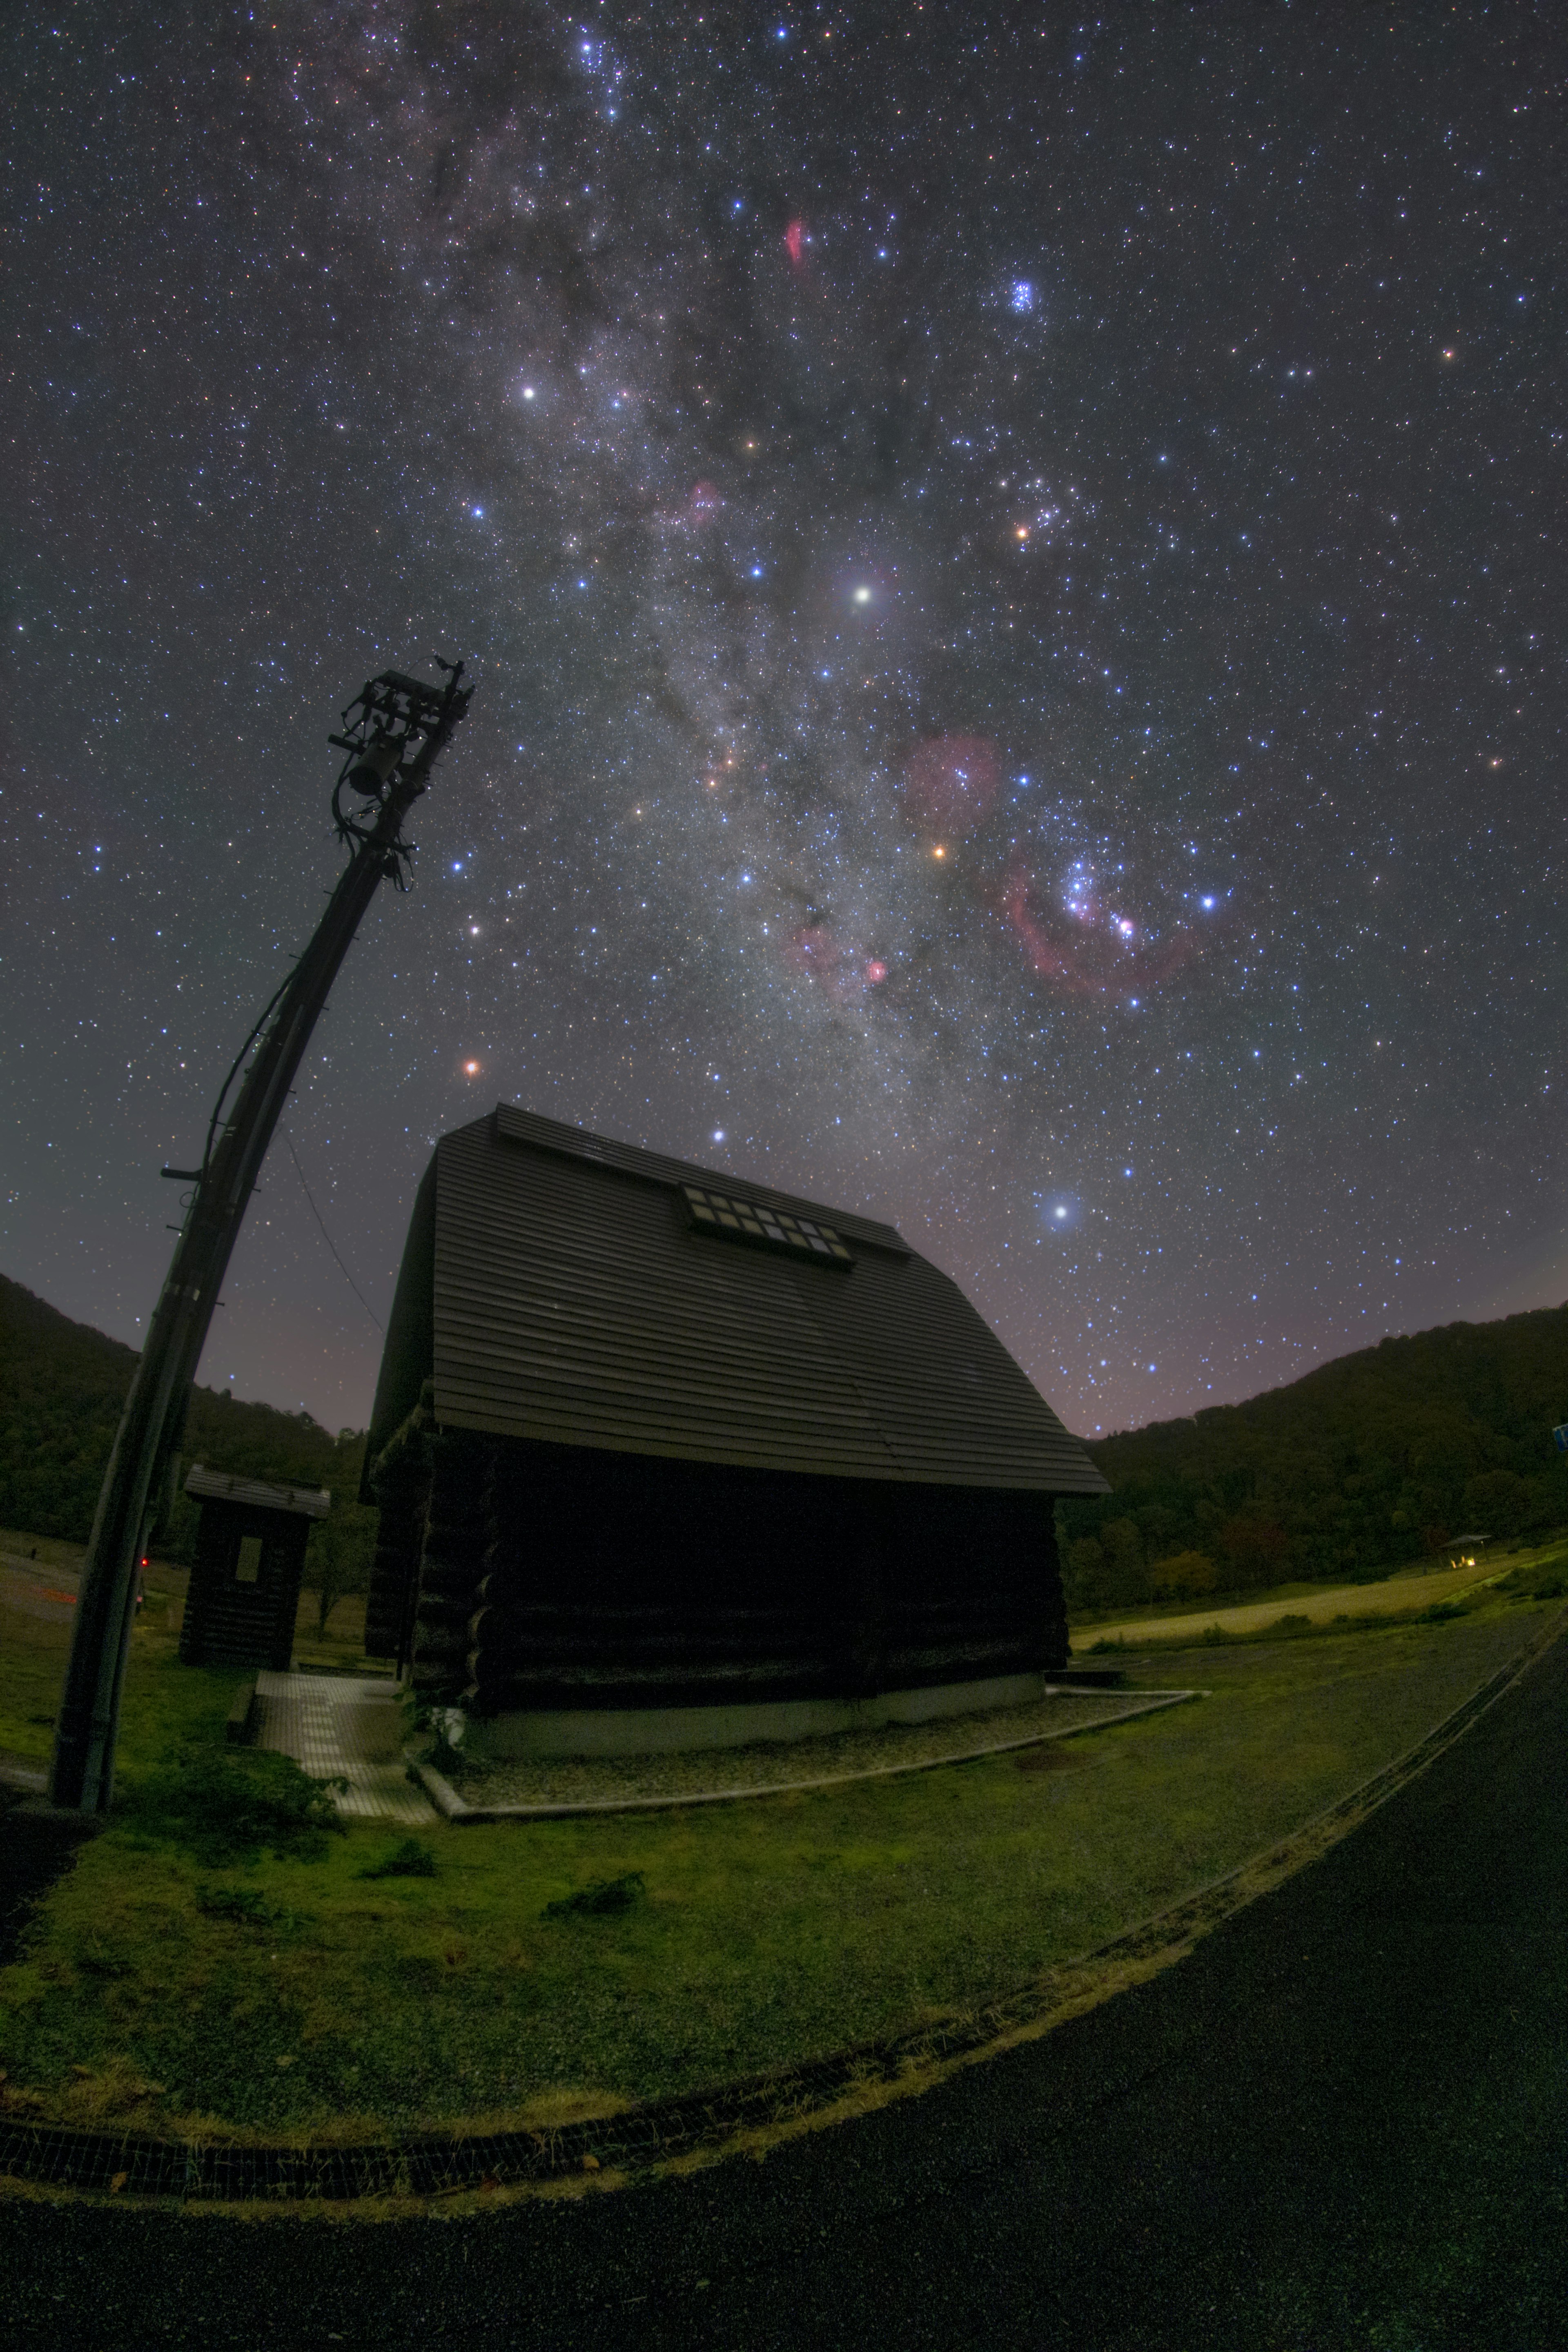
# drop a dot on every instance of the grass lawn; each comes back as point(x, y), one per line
point(1248, 1612)
point(35, 1638)
point(293, 1993)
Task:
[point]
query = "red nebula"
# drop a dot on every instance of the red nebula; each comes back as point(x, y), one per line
point(794, 239)
point(1082, 956)
point(705, 501)
point(950, 785)
point(840, 968)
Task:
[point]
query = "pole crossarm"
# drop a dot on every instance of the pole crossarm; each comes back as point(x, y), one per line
point(394, 732)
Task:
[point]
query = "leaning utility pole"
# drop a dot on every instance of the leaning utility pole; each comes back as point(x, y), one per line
point(392, 715)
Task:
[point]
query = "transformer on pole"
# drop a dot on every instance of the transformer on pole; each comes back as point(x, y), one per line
point(393, 733)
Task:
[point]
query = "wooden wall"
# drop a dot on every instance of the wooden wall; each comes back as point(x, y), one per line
point(552, 1577)
point(229, 1623)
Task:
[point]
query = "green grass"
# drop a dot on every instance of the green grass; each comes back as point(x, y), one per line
point(1520, 1558)
point(317, 1989)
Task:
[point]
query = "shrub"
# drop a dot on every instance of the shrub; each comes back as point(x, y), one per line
point(600, 1895)
point(228, 1805)
point(409, 1860)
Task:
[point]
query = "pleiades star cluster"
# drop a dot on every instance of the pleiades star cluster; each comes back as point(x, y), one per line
point(1013, 568)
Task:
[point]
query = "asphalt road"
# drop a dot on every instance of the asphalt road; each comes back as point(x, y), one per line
point(1342, 2122)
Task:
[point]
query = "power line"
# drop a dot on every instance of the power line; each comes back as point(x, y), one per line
point(325, 1234)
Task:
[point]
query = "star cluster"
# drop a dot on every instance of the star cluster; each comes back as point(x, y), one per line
point(1011, 573)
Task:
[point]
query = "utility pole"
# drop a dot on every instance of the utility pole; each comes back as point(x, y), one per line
point(392, 717)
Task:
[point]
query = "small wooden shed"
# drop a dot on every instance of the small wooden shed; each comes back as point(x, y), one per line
point(668, 1458)
point(250, 1556)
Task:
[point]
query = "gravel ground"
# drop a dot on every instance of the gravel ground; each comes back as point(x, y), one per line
point(773, 1764)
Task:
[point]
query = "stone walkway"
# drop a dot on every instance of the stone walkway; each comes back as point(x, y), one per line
point(348, 1725)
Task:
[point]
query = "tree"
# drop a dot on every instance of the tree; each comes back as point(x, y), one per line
point(343, 1548)
point(1185, 1573)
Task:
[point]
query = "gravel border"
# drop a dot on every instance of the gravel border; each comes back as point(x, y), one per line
point(558, 1787)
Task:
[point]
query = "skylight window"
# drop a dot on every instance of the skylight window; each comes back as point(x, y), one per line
point(752, 1221)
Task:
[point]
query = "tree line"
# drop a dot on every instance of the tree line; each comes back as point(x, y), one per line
point(62, 1389)
point(1365, 1465)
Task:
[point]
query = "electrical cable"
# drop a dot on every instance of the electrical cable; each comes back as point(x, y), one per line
point(325, 1234)
point(262, 1020)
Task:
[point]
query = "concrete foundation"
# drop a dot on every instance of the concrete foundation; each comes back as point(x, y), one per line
point(658, 1730)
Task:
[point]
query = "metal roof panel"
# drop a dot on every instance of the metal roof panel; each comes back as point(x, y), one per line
point(574, 1303)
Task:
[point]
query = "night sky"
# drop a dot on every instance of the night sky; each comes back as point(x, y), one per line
point(1015, 583)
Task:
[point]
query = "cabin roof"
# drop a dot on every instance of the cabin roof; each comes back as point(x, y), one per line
point(257, 1493)
point(559, 1287)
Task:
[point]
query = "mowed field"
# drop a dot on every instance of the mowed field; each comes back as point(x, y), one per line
point(192, 1982)
point(1320, 1604)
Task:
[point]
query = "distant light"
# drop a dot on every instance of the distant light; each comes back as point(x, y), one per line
point(471, 1069)
point(1127, 1172)
point(479, 514)
point(1153, 1368)
point(718, 1135)
point(1060, 1215)
point(528, 391)
point(1208, 902)
point(875, 971)
point(756, 570)
point(1022, 297)
point(1022, 532)
point(939, 850)
point(862, 595)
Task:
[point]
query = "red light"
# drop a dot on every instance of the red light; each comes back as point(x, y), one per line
point(875, 971)
point(794, 239)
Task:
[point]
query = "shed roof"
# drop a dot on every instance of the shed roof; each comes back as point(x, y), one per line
point(554, 1286)
point(220, 1486)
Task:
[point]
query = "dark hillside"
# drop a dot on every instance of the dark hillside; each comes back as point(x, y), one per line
point(62, 1385)
point(1369, 1462)
point(1366, 1463)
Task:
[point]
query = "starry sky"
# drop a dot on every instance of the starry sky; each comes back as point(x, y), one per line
point(1013, 567)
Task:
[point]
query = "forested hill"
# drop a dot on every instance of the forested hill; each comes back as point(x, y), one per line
point(1371, 1461)
point(1366, 1463)
point(62, 1385)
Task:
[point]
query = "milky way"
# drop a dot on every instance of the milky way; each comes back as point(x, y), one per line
point(1014, 582)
